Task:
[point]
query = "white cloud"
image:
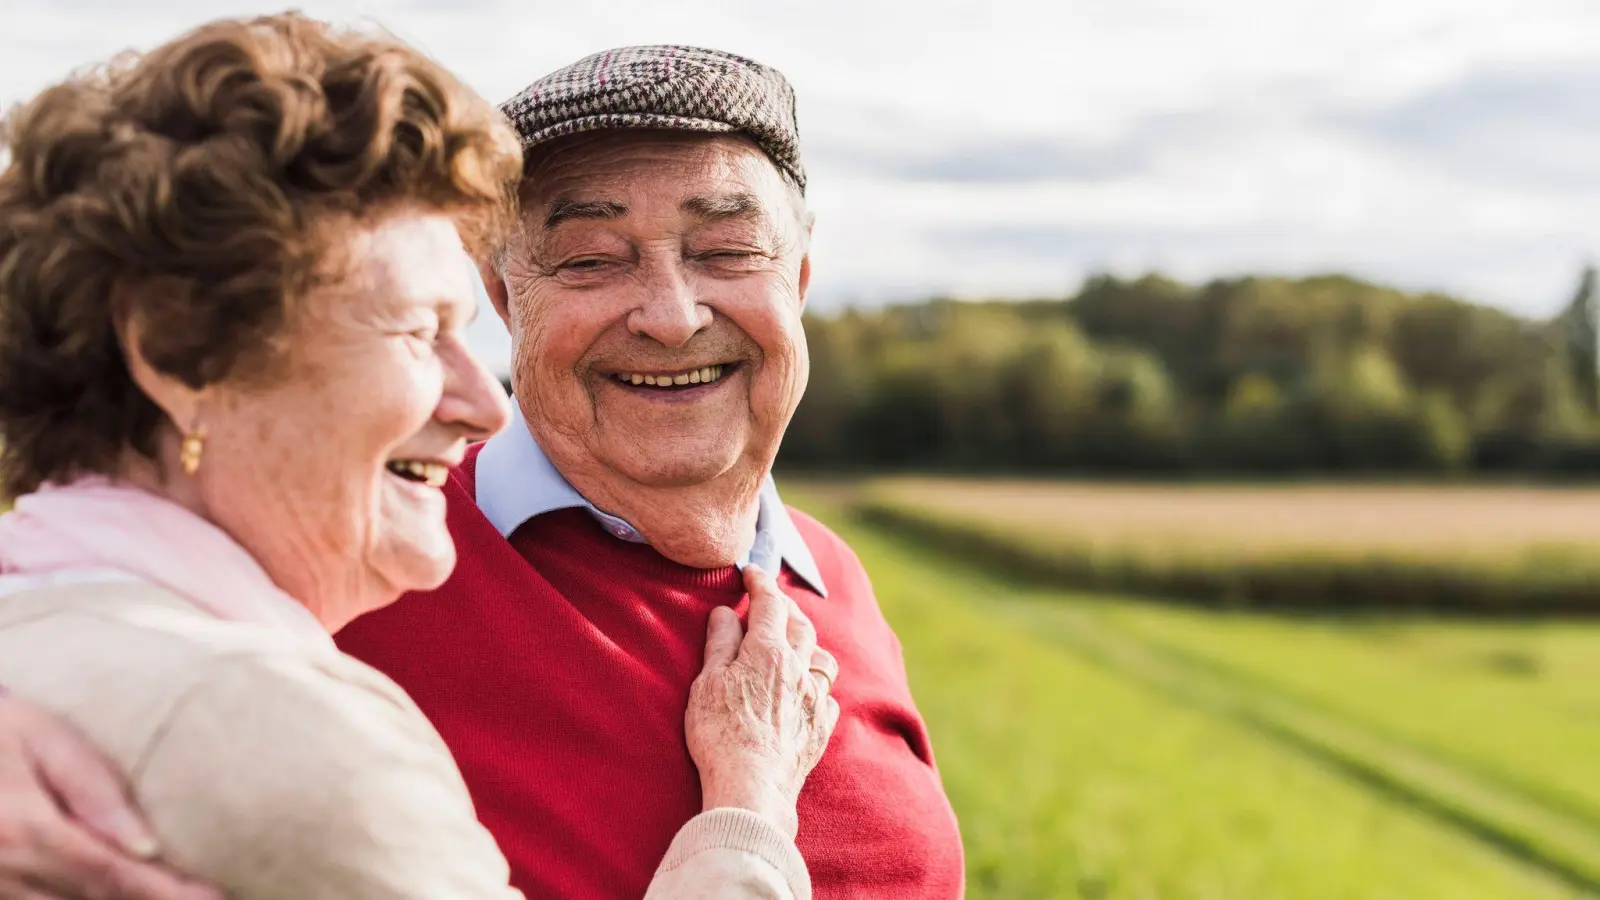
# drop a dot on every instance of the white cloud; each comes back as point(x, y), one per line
point(1009, 147)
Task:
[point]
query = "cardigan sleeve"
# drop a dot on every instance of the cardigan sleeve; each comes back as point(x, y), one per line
point(731, 854)
point(278, 779)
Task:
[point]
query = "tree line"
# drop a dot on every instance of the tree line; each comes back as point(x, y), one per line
point(1326, 374)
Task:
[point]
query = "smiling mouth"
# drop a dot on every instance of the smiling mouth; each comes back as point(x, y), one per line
point(432, 474)
point(671, 381)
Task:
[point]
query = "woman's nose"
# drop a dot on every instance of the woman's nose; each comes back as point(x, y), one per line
point(474, 400)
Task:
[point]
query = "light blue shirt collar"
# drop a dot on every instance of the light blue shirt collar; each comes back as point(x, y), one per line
point(516, 482)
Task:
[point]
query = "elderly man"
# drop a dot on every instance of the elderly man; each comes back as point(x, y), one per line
point(653, 292)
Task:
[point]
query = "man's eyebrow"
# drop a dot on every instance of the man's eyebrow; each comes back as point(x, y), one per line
point(727, 206)
point(565, 210)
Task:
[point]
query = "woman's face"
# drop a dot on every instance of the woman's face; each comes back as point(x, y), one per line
point(330, 474)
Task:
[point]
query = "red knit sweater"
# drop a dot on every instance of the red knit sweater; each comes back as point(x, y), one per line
point(557, 667)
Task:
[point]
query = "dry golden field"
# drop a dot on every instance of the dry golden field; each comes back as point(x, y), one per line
point(1247, 520)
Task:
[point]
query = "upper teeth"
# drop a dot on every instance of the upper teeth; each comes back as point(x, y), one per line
point(693, 376)
point(432, 474)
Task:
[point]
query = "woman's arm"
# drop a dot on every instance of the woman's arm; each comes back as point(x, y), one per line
point(277, 779)
point(67, 828)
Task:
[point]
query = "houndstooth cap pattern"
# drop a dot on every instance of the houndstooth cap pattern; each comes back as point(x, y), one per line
point(664, 86)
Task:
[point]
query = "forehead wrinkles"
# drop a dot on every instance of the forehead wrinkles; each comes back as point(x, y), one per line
point(614, 159)
point(660, 170)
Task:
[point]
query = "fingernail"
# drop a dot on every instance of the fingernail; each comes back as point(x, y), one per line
point(130, 832)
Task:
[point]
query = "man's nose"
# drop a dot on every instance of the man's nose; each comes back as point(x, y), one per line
point(474, 402)
point(670, 313)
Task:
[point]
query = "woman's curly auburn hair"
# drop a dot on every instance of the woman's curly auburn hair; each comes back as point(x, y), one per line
point(203, 187)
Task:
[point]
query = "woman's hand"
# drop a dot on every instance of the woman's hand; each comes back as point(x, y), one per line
point(760, 713)
point(67, 828)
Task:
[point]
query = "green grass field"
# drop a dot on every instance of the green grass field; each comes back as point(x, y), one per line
point(1518, 704)
point(1101, 748)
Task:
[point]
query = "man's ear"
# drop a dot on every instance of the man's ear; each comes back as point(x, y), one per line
point(495, 287)
point(805, 261)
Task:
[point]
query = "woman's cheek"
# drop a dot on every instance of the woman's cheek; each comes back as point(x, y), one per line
point(407, 398)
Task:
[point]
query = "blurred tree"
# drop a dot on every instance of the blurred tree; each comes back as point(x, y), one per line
point(1048, 391)
point(1153, 313)
point(1252, 374)
point(821, 432)
point(1444, 438)
point(1581, 326)
point(1133, 425)
point(1367, 382)
point(1443, 344)
point(1253, 396)
point(1258, 429)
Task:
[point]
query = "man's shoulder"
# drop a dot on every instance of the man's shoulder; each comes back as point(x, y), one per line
point(836, 560)
point(850, 619)
point(819, 537)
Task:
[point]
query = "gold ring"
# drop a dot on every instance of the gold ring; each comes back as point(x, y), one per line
point(818, 670)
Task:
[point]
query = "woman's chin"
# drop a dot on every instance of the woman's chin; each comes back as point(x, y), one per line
point(420, 565)
point(415, 551)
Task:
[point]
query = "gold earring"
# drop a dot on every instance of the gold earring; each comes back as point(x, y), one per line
point(194, 444)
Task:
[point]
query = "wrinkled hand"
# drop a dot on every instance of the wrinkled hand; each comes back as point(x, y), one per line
point(67, 828)
point(760, 714)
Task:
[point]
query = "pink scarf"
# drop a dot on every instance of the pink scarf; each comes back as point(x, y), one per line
point(96, 523)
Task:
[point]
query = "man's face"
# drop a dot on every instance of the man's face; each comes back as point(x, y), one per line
point(654, 294)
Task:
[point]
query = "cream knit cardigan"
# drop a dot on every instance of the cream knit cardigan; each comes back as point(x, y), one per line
point(280, 770)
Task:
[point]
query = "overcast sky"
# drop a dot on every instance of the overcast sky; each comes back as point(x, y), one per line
point(994, 148)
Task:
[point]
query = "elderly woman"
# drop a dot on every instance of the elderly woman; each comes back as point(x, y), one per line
point(234, 282)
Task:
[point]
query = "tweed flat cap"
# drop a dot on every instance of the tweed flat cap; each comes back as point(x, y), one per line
point(677, 88)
